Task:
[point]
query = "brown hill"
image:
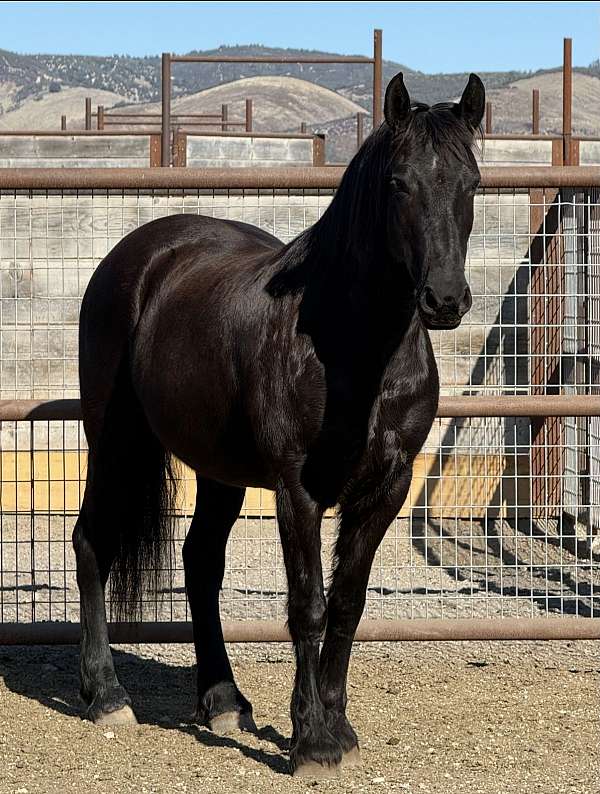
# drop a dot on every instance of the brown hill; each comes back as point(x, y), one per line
point(511, 105)
point(43, 111)
point(280, 103)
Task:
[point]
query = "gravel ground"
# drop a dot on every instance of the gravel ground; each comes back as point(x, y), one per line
point(481, 718)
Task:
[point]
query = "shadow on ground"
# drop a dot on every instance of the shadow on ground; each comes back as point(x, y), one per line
point(162, 694)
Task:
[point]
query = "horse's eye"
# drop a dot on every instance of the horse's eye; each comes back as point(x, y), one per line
point(399, 187)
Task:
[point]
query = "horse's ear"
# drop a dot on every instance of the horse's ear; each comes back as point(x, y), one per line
point(472, 103)
point(396, 108)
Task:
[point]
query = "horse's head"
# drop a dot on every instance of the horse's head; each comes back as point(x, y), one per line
point(433, 177)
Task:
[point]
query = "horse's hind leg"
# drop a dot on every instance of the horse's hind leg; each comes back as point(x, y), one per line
point(221, 706)
point(107, 701)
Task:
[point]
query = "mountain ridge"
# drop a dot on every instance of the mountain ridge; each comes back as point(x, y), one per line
point(138, 77)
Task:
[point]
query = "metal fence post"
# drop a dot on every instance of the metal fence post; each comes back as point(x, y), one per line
point(377, 77)
point(88, 113)
point(359, 129)
point(319, 149)
point(100, 117)
point(249, 115)
point(224, 117)
point(535, 112)
point(567, 98)
point(488, 118)
point(165, 160)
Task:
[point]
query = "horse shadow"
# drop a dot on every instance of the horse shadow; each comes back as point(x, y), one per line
point(162, 694)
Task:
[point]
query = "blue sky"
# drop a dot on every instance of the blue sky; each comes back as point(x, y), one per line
point(432, 37)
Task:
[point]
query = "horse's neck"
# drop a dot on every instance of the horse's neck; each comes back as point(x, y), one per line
point(375, 301)
point(358, 321)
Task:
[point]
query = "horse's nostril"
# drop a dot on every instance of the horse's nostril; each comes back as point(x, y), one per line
point(466, 302)
point(430, 300)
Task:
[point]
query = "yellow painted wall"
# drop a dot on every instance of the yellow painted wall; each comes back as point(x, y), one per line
point(457, 485)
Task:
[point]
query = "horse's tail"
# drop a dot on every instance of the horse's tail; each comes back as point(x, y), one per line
point(136, 487)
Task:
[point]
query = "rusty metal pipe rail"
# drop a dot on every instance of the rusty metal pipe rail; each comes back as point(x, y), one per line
point(291, 59)
point(141, 120)
point(521, 136)
point(406, 630)
point(155, 126)
point(91, 133)
point(327, 177)
point(449, 407)
point(251, 134)
point(134, 115)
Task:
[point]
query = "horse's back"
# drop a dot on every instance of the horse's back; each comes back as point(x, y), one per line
point(124, 272)
point(174, 259)
point(149, 257)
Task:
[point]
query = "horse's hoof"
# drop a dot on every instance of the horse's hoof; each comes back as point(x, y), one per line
point(122, 716)
point(315, 771)
point(351, 758)
point(232, 721)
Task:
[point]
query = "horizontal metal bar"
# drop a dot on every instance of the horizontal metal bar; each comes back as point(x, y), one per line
point(520, 405)
point(73, 133)
point(522, 176)
point(464, 406)
point(168, 178)
point(39, 410)
point(325, 177)
point(156, 125)
point(224, 134)
point(509, 136)
point(268, 59)
point(134, 115)
point(409, 630)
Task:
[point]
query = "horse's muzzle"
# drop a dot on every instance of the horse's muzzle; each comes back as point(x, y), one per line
point(441, 314)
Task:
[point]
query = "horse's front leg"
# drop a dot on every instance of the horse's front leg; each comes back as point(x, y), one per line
point(365, 517)
point(314, 751)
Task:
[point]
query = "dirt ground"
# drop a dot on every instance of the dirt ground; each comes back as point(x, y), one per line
point(433, 718)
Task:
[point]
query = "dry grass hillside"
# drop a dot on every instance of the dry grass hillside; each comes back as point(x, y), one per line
point(43, 111)
point(512, 104)
point(280, 103)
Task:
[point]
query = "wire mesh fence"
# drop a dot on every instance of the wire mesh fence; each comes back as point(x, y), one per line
point(468, 543)
point(502, 518)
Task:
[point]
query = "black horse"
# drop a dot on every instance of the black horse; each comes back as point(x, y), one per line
point(303, 368)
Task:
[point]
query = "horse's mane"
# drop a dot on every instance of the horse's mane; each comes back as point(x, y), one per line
point(352, 227)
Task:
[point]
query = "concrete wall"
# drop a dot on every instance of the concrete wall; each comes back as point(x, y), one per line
point(589, 152)
point(97, 151)
point(516, 152)
point(72, 151)
point(532, 152)
point(233, 152)
point(49, 247)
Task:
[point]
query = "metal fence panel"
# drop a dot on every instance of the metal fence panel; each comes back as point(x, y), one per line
point(475, 538)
